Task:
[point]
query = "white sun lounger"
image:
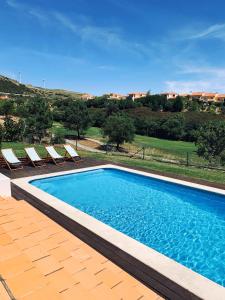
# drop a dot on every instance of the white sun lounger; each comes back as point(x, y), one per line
point(72, 153)
point(54, 155)
point(34, 158)
point(11, 159)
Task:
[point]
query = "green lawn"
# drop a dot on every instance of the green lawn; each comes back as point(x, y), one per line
point(155, 147)
point(19, 148)
point(191, 172)
point(59, 128)
point(94, 133)
point(176, 147)
point(165, 147)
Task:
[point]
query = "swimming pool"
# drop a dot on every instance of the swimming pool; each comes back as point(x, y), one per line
point(183, 223)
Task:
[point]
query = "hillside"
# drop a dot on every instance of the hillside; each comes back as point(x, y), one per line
point(11, 86)
point(8, 85)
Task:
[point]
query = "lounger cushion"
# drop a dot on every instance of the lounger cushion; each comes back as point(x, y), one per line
point(31, 152)
point(52, 152)
point(72, 152)
point(10, 157)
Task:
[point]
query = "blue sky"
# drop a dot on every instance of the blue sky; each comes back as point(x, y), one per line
point(101, 46)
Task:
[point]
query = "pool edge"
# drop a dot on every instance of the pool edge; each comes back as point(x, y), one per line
point(189, 280)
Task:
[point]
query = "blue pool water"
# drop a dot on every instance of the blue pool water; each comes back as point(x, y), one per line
point(185, 224)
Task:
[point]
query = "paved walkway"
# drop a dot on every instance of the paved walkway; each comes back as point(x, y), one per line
point(86, 148)
point(41, 260)
point(95, 141)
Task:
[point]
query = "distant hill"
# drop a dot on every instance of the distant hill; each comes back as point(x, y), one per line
point(8, 85)
point(11, 86)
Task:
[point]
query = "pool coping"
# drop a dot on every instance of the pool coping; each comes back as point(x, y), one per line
point(191, 281)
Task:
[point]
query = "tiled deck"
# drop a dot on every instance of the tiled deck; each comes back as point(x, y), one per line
point(39, 259)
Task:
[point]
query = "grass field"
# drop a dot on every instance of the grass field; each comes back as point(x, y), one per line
point(19, 148)
point(192, 172)
point(155, 147)
point(165, 147)
point(59, 128)
point(189, 172)
point(176, 147)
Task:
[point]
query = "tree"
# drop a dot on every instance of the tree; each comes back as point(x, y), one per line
point(119, 129)
point(211, 140)
point(223, 108)
point(173, 127)
point(97, 116)
point(155, 102)
point(13, 130)
point(178, 104)
point(77, 117)
point(60, 106)
point(111, 107)
point(6, 107)
point(193, 106)
point(58, 137)
point(38, 119)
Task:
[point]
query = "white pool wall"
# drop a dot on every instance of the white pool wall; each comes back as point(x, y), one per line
point(5, 186)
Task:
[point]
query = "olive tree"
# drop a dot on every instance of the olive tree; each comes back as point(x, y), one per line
point(77, 117)
point(211, 141)
point(119, 129)
point(38, 118)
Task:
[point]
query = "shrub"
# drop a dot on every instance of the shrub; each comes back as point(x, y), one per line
point(13, 130)
point(211, 141)
point(58, 138)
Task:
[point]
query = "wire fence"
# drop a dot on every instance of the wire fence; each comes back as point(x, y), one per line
point(172, 156)
point(147, 153)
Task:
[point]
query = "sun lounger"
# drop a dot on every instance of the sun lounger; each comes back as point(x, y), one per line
point(72, 153)
point(34, 158)
point(54, 155)
point(11, 160)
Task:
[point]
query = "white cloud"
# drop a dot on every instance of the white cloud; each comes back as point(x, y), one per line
point(66, 22)
point(212, 85)
point(107, 68)
point(187, 86)
point(40, 16)
point(199, 31)
point(204, 71)
point(14, 4)
point(205, 78)
point(29, 10)
point(213, 31)
point(109, 38)
point(89, 32)
point(52, 56)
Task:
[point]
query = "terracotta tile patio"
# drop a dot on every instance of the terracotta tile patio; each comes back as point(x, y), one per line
point(41, 260)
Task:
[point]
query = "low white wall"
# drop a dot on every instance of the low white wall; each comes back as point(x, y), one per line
point(5, 186)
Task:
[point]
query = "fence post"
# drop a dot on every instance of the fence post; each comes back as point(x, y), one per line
point(76, 143)
point(187, 159)
point(143, 153)
point(107, 148)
